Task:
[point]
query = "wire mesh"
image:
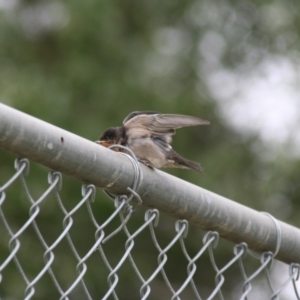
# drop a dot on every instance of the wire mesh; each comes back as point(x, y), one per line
point(87, 248)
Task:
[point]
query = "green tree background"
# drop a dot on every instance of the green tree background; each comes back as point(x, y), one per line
point(84, 65)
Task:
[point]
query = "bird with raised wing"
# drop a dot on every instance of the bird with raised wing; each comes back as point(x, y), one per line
point(149, 134)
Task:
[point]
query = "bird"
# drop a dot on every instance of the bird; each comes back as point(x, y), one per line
point(149, 135)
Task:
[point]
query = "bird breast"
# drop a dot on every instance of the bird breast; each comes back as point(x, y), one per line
point(140, 141)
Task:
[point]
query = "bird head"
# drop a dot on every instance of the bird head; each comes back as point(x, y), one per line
point(109, 137)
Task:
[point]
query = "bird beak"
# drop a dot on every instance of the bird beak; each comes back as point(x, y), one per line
point(108, 144)
point(104, 143)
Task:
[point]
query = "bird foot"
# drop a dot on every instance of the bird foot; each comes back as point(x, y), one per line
point(146, 163)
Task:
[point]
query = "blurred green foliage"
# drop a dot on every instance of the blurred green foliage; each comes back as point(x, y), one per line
point(84, 65)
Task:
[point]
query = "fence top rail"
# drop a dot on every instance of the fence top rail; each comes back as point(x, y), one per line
point(86, 161)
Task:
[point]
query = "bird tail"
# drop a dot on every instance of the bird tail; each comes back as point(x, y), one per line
point(181, 162)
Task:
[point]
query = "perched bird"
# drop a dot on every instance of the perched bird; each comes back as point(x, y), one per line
point(149, 134)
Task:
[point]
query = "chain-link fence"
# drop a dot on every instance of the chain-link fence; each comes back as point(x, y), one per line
point(88, 247)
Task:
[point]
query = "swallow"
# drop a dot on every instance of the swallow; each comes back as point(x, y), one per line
point(149, 135)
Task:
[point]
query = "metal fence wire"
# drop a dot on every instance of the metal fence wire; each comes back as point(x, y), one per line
point(102, 249)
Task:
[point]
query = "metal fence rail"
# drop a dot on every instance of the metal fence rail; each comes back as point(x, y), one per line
point(133, 184)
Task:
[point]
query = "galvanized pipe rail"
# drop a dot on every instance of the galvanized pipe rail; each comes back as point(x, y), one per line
point(86, 161)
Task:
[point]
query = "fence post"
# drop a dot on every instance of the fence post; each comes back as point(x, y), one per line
point(84, 160)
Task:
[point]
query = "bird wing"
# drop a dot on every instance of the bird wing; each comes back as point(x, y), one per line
point(136, 113)
point(161, 123)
